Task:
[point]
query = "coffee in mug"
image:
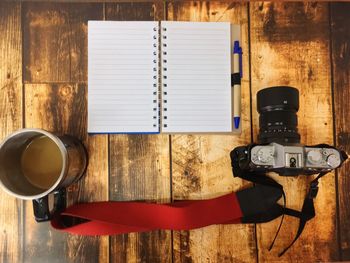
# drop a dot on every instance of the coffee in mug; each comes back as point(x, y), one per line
point(35, 163)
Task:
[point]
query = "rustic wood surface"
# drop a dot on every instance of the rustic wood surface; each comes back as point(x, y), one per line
point(201, 165)
point(139, 165)
point(55, 92)
point(290, 46)
point(340, 35)
point(305, 45)
point(11, 119)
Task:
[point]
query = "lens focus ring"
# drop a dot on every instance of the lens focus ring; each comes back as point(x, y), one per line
point(278, 120)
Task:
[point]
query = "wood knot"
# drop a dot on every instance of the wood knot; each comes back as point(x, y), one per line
point(65, 91)
point(37, 72)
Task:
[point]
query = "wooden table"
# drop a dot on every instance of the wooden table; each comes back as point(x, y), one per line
point(43, 84)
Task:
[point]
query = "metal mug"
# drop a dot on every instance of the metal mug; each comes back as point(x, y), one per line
point(13, 181)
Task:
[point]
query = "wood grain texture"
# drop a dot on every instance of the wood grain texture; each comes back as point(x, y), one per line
point(61, 108)
point(140, 171)
point(201, 165)
point(290, 46)
point(10, 120)
point(139, 165)
point(55, 37)
point(94, 1)
point(49, 107)
point(340, 21)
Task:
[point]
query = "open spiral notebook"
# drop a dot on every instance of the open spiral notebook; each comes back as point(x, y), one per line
point(152, 77)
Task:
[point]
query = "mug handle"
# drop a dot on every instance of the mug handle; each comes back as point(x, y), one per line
point(41, 207)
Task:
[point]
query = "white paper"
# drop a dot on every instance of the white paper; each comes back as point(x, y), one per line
point(122, 77)
point(196, 77)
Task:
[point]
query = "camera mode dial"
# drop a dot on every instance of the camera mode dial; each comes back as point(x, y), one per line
point(314, 156)
point(265, 154)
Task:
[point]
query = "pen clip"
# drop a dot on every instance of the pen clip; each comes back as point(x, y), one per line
point(238, 50)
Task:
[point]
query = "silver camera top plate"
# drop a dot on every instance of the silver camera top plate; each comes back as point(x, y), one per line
point(275, 155)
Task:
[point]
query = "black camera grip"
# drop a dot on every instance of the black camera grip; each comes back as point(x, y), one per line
point(41, 207)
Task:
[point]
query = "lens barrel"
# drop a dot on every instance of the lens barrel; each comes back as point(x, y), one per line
point(278, 119)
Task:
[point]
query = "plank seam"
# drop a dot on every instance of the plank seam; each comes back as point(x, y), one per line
point(108, 161)
point(250, 114)
point(22, 208)
point(165, 12)
point(338, 232)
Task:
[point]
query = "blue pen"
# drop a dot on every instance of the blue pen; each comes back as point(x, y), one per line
point(237, 74)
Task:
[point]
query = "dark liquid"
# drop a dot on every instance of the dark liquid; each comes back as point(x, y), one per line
point(42, 162)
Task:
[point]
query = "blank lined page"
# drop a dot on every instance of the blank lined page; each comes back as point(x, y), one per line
point(123, 79)
point(196, 77)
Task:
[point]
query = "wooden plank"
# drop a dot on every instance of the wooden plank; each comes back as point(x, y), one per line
point(201, 165)
point(340, 36)
point(91, 1)
point(140, 171)
point(10, 120)
point(140, 11)
point(139, 165)
point(61, 108)
point(290, 46)
point(55, 37)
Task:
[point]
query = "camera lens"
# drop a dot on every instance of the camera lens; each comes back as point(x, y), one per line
point(278, 120)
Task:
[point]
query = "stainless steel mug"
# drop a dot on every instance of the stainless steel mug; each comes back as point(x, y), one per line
point(19, 158)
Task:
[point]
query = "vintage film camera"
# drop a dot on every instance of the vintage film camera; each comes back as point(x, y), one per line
point(279, 149)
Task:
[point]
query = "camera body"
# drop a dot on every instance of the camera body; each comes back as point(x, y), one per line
point(293, 159)
point(279, 149)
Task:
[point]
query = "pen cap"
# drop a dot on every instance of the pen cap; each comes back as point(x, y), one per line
point(236, 48)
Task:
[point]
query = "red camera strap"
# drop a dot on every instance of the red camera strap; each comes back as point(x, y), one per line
point(110, 218)
point(257, 204)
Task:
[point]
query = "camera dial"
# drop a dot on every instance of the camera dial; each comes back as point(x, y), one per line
point(314, 156)
point(333, 160)
point(265, 154)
